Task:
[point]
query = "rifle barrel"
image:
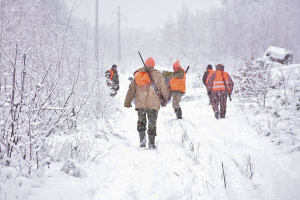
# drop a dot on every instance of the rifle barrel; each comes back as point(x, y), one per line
point(162, 101)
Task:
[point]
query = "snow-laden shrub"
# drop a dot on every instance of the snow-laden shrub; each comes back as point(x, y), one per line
point(48, 86)
point(72, 168)
point(280, 118)
point(273, 94)
point(77, 148)
point(11, 178)
point(5, 173)
point(253, 84)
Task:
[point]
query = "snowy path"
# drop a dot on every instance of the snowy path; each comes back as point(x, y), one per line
point(187, 163)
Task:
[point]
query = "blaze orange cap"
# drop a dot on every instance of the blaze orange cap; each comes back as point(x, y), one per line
point(176, 64)
point(150, 62)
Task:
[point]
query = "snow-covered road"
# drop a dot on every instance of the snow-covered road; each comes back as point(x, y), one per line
point(187, 163)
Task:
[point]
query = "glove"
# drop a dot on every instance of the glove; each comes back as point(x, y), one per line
point(128, 105)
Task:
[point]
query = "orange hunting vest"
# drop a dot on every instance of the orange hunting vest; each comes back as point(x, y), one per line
point(141, 78)
point(218, 83)
point(210, 72)
point(111, 75)
point(177, 83)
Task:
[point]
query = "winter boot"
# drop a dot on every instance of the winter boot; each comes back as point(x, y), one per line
point(151, 143)
point(178, 113)
point(217, 114)
point(142, 139)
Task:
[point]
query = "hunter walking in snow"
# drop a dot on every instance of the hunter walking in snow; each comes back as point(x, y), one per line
point(112, 80)
point(147, 102)
point(207, 74)
point(177, 84)
point(220, 85)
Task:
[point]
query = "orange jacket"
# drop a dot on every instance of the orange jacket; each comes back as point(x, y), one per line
point(210, 72)
point(218, 83)
point(141, 78)
point(177, 83)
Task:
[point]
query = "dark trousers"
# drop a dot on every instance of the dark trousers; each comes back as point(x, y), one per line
point(219, 97)
point(142, 120)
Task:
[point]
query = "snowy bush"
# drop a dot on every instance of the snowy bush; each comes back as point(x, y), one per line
point(76, 148)
point(254, 84)
point(10, 178)
point(274, 93)
point(71, 168)
point(45, 86)
point(35, 112)
point(286, 104)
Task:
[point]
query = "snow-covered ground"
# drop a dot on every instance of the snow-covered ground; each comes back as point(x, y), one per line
point(191, 157)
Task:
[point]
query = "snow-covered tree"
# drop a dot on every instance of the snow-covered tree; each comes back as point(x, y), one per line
point(47, 80)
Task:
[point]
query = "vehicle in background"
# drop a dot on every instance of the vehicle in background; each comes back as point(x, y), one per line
point(276, 54)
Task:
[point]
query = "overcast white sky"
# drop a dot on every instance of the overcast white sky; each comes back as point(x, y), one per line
point(144, 13)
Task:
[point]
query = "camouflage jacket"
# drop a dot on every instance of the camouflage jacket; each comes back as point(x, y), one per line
point(114, 82)
point(177, 74)
point(204, 77)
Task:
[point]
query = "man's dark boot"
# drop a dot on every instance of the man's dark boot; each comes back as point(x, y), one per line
point(142, 139)
point(178, 113)
point(217, 114)
point(151, 143)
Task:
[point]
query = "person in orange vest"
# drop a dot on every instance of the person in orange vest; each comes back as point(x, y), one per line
point(147, 102)
point(220, 85)
point(207, 74)
point(112, 80)
point(177, 85)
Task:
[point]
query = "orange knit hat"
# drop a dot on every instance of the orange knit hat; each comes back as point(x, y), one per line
point(150, 62)
point(176, 64)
